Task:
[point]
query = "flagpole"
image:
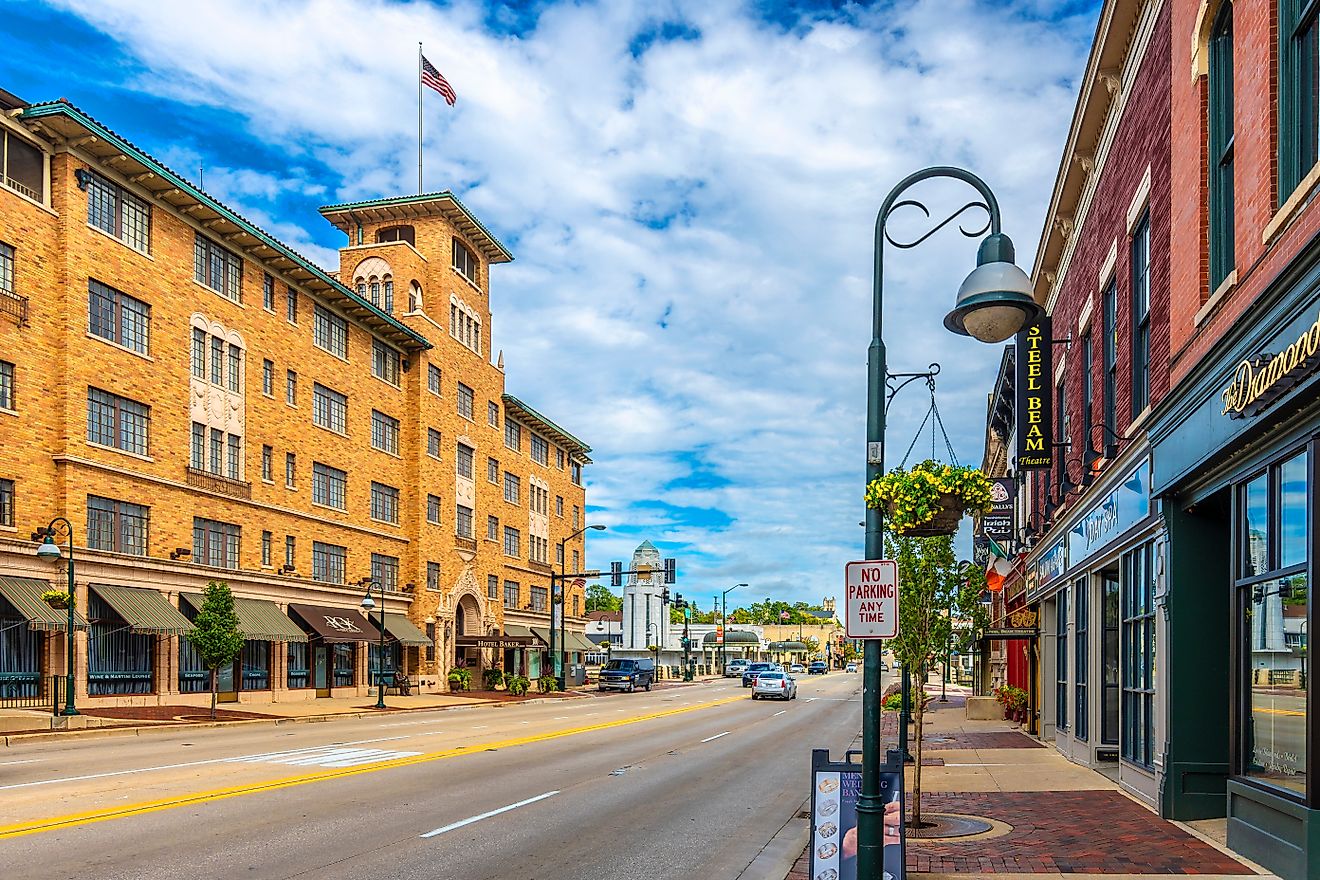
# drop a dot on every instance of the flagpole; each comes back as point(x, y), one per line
point(419, 118)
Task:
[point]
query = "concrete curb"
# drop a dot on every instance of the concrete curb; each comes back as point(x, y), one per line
point(131, 730)
point(777, 857)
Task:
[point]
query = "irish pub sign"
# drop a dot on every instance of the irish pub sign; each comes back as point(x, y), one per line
point(1035, 397)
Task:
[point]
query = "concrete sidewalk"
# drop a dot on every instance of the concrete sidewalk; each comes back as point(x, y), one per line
point(1050, 817)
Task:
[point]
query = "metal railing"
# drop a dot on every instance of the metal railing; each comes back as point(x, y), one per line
point(200, 479)
point(23, 691)
point(14, 305)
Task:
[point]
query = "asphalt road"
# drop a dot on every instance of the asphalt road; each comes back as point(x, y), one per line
point(680, 782)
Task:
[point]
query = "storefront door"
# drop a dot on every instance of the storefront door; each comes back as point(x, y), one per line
point(226, 690)
point(321, 670)
point(1109, 656)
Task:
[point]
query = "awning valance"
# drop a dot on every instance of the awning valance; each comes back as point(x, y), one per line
point(145, 611)
point(404, 630)
point(258, 619)
point(791, 647)
point(336, 624)
point(25, 595)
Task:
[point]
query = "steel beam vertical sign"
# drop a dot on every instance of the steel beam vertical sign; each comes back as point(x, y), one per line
point(1035, 397)
point(871, 599)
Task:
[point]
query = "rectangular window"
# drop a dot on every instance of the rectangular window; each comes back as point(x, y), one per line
point(512, 488)
point(1082, 658)
point(492, 471)
point(433, 379)
point(1138, 641)
point(235, 369)
point(217, 360)
point(492, 586)
point(7, 395)
point(117, 421)
point(464, 262)
point(117, 526)
point(329, 563)
point(6, 268)
point(433, 442)
point(433, 576)
point(265, 549)
point(24, 167)
point(512, 541)
point(329, 486)
point(464, 401)
point(1060, 433)
point(217, 463)
point(577, 516)
point(512, 435)
point(384, 503)
point(385, 362)
point(217, 268)
point(511, 591)
point(433, 509)
point(1299, 91)
point(1061, 661)
point(465, 461)
point(1088, 396)
point(559, 458)
point(540, 450)
point(215, 543)
point(330, 332)
point(267, 464)
point(385, 571)
point(559, 554)
point(559, 505)
point(199, 353)
point(291, 388)
point(492, 413)
point(463, 521)
point(197, 460)
point(1141, 315)
point(118, 317)
point(268, 378)
point(1220, 127)
point(577, 474)
point(384, 432)
point(577, 561)
point(1110, 389)
point(290, 470)
point(291, 305)
point(290, 551)
point(117, 212)
point(492, 528)
point(539, 597)
point(234, 460)
point(268, 292)
point(6, 503)
point(329, 409)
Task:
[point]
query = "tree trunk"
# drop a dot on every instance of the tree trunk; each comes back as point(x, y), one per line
point(215, 684)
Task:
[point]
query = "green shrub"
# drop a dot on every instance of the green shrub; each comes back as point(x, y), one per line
point(892, 703)
point(460, 679)
point(547, 684)
point(492, 679)
point(517, 684)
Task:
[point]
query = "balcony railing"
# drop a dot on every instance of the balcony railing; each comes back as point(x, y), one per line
point(14, 305)
point(200, 479)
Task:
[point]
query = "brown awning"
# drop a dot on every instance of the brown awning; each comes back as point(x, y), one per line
point(336, 624)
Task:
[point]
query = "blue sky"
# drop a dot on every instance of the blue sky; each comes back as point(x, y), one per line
point(689, 189)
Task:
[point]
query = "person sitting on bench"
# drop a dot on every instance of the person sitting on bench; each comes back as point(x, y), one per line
point(402, 683)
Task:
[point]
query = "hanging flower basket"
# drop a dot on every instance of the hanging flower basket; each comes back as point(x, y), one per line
point(57, 599)
point(929, 500)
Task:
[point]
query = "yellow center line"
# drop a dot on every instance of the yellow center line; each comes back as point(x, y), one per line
point(74, 819)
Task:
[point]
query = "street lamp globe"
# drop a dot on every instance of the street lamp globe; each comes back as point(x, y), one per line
point(996, 300)
point(49, 550)
point(367, 603)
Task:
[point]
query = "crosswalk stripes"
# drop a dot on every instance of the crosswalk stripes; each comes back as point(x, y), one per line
point(325, 756)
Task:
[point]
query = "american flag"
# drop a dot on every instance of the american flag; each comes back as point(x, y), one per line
point(431, 78)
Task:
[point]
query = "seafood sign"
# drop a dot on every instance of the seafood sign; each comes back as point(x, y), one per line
point(871, 599)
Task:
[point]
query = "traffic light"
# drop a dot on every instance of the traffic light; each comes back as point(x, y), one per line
point(671, 570)
point(679, 602)
point(616, 574)
point(664, 596)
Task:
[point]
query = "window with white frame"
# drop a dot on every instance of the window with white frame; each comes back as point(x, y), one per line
point(217, 268)
point(330, 332)
point(118, 317)
point(118, 213)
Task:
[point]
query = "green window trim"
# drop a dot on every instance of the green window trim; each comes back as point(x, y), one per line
point(1220, 147)
point(1299, 141)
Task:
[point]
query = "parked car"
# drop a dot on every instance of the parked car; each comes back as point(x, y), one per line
point(851, 667)
point(775, 685)
point(736, 668)
point(797, 669)
point(626, 675)
point(818, 668)
point(752, 671)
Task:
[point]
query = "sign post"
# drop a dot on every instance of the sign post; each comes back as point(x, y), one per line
point(871, 599)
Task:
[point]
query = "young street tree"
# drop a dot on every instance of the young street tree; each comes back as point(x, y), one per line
point(932, 585)
point(216, 635)
point(599, 598)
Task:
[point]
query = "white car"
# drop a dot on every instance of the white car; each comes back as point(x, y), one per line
point(774, 685)
point(851, 667)
point(797, 669)
point(736, 668)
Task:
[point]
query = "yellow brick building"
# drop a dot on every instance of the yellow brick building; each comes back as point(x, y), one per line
point(201, 402)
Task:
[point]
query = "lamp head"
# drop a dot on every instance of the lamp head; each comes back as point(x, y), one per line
point(49, 550)
point(996, 300)
point(598, 528)
point(367, 603)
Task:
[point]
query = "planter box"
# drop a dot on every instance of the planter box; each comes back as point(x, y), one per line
point(984, 709)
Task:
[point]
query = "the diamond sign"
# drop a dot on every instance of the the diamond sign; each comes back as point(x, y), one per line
point(871, 600)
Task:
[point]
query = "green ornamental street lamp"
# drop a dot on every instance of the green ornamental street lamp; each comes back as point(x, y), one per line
point(367, 605)
point(557, 598)
point(724, 625)
point(994, 302)
point(50, 551)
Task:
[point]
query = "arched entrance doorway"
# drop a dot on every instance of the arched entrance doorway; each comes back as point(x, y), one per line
point(467, 622)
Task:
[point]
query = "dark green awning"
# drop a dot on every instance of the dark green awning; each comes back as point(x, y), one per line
point(789, 646)
point(542, 633)
point(25, 595)
point(258, 619)
point(145, 611)
point(404, 630)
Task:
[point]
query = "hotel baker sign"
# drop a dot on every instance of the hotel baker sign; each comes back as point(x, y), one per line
point(1259, 381)
point(1035, 397)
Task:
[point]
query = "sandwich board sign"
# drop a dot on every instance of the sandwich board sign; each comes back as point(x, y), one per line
point(871, 599)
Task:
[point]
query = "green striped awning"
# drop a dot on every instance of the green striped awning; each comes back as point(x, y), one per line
point(579, 642)
point(25, 595)
point(542, 633)
point(404, 630)
point(145, 611)
point(258, 619)
point(517, 630)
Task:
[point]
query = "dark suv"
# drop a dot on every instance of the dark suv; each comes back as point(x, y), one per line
point(818, 668)
point(750, 674)
point(627, 675)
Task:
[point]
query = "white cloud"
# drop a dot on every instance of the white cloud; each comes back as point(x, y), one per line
point(723, 185)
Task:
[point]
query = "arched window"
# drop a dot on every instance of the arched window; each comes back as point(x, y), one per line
point(415, 297)
point(388, 285)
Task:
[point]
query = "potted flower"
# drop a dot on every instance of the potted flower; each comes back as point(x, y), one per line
point(57, 599)
point(929, 499)
point(1014, 701)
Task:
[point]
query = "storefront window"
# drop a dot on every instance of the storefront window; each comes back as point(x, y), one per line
point(20, 655)
point(1109, 657)
point(256, 666)
point(1081, 611)
point(119, 661)
point(1274, 605)
point(343, 664)
point(1139, 655)
point(1061, 662)
point(300, 672)
point(192, 673)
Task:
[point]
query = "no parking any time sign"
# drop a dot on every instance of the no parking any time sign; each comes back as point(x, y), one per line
point(871, 601)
